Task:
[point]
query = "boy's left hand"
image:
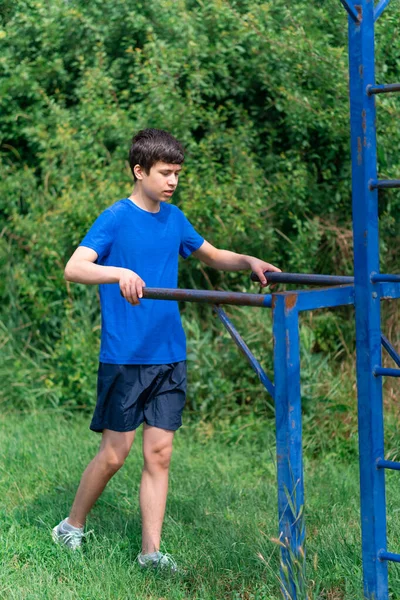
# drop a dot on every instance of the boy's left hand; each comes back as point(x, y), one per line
point(259, 267)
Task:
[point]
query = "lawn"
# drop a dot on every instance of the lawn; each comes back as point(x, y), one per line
point(220, 524)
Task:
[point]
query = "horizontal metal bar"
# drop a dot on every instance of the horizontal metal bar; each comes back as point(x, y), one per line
point(350, 9)
point(390, 350)
point(206, 296)
point(383, 89)
point(387, 464)
point(385, 277)
point(389, 290)
point(384, 184)
point(304, 278)
point(384, 555)
point(313, 299)
point(241, 344)
point(382, 372)
point(307, 299)
point(379, 8)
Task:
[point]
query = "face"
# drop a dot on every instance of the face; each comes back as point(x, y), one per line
point(161, 182)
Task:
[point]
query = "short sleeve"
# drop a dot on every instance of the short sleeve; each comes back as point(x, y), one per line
point(190, 240)
point(101, 234)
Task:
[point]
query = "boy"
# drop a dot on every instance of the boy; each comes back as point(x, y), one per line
point(142, 369)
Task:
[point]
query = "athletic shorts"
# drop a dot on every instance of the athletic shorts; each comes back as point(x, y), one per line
point(128, 395)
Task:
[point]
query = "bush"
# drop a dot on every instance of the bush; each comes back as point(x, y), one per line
point(247, 86)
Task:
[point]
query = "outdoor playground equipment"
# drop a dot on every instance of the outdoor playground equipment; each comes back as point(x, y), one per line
point(365, 291)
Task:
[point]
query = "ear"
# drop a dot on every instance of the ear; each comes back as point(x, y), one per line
point(138, 170)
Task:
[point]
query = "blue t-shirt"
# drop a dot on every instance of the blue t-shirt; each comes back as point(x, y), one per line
point(149, 244)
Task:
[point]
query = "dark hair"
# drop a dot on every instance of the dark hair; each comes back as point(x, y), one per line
point(152, 145)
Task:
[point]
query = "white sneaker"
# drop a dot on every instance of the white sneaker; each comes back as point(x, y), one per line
point(157, 560)
point(68, 535)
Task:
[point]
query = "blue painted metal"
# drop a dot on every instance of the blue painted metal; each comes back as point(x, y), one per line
point(390, 350)
point(241, 344)
point(325, 298)
point(211, 297)
point(289, 444)
point(383, 89)
point(381, 372)
point(389, 290)
point(384, 555)
point(382, 184)
point(353, 14)
point(387, 464)
point(380, 7)
point(377, 277)
point(367, 300)
point(304, 278)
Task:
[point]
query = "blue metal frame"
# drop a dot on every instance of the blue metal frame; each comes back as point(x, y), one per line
point(367, 300)
point(289, 444)
point(380, 7)
point(243, 347)
point(353, 14)
point(390, 350)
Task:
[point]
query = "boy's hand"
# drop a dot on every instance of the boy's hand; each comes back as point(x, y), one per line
point(259, 267)
point(131, 286)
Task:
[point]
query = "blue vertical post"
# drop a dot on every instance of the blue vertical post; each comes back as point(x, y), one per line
point(367, 299)
point(289, 444)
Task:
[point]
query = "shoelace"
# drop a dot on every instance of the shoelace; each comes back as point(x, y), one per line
point(162, 561)
point(73, 538)
point(166, 560)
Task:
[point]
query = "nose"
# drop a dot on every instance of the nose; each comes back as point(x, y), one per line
point(173, 180)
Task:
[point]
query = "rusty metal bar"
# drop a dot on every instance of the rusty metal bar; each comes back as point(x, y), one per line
point(383, 89)
point(382, 277)
point(304, 278)
point(383, 184)
point(210, 297)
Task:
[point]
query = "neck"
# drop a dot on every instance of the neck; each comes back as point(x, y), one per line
point(143, 201)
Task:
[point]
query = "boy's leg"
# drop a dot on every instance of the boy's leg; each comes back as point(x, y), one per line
point(114, 448)
point(157, 450)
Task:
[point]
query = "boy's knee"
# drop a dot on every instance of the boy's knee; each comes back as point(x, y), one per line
point(113, 461)
point(158, 457)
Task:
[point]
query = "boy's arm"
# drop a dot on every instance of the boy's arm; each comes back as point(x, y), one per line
point(230, 261)
point(81, 268)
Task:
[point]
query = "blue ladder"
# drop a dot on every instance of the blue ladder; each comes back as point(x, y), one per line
point(369, 286)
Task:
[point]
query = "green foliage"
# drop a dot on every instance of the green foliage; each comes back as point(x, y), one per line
point(257, 91)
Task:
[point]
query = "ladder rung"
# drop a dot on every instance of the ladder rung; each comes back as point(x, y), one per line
point(387, 464)
point(380, 371)
point(383, 184)
point(383, 89)
point(385, 277)
point(384, 555)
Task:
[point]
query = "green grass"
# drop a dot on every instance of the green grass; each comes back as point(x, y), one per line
point(221, 517)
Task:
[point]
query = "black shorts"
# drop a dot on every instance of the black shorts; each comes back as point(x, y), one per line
point(128, 395)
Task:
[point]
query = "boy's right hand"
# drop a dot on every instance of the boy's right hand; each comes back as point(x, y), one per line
point(131, 286)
